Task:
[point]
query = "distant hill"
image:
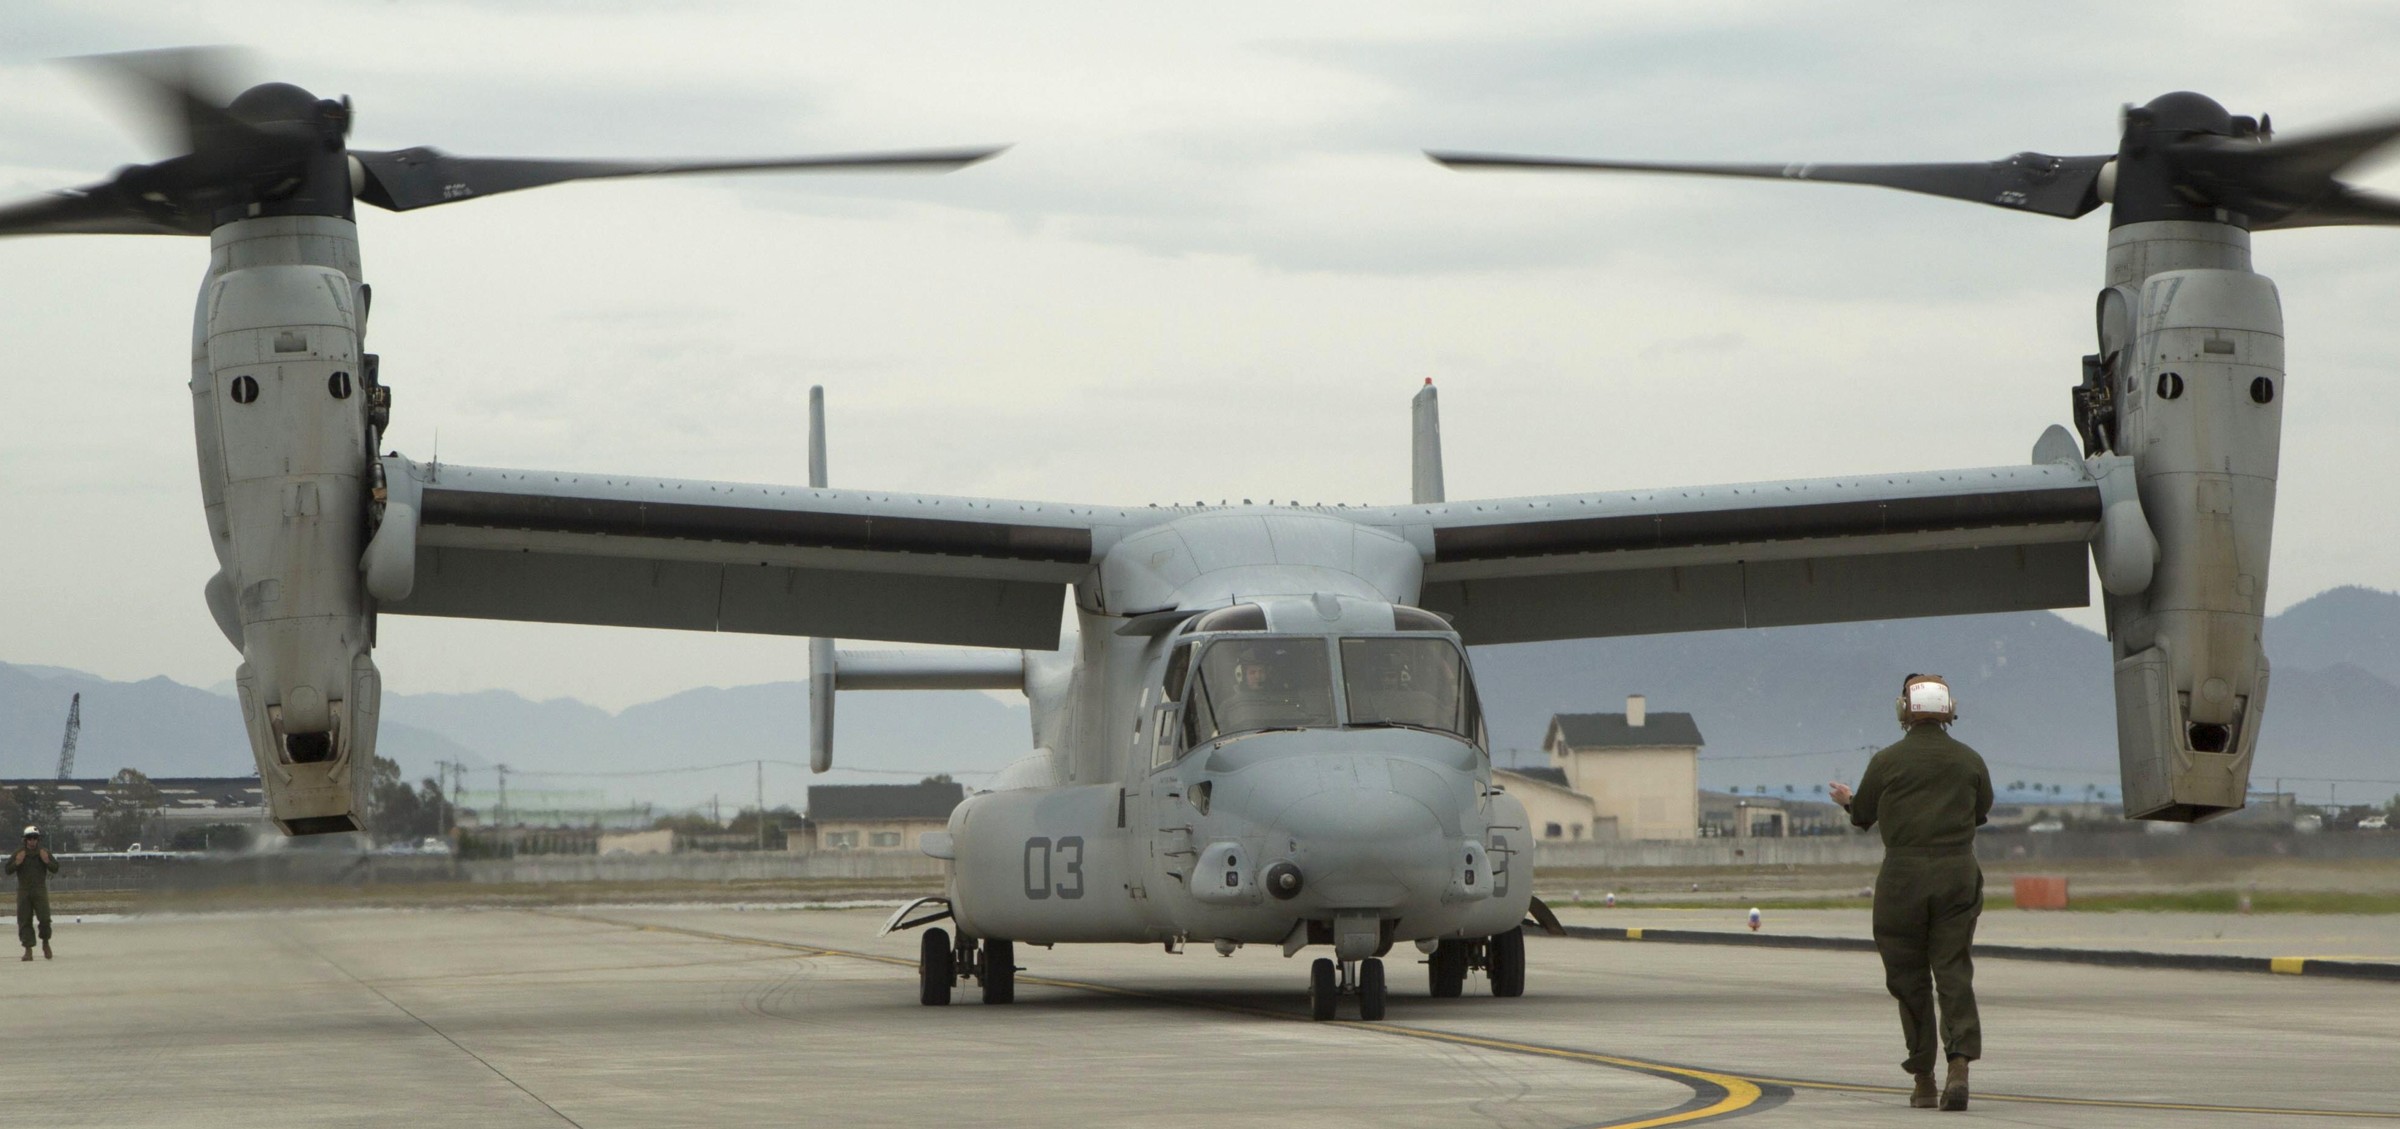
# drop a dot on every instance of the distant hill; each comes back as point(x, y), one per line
point(1795, 705)
point(165, 728)
point(1778, 706)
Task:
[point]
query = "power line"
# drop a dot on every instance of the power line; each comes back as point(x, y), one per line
point(1789, 756)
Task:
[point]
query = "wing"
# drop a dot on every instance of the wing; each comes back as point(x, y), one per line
point(715, 556)
point(1756, 555)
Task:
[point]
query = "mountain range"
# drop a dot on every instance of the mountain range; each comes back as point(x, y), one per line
point(1781, 706)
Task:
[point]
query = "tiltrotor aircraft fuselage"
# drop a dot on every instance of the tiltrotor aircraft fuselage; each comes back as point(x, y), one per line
point(1262, 727)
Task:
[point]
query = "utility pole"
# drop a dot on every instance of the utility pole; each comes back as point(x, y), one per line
point(501, 814)
point(448, 777)
point(762, 804)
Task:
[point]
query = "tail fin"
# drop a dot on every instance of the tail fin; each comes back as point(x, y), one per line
point(820, 651)
point(1425, 447)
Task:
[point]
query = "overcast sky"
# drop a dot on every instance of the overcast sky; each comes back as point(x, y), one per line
point(1215, 265)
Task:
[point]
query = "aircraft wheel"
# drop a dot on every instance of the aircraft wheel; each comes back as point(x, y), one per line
point(999, 971)
point(1505, 958)
point(1446, 968)
point(1370, 989)
point(1322, 990)
point(936, 968)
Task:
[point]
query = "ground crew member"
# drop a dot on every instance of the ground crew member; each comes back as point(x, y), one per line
point(33, 866)
point(1928, 792)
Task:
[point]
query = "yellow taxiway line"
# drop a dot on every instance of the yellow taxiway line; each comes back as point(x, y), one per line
point(1733, 1094)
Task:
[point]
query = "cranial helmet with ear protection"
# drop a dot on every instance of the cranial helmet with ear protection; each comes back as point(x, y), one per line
point(1925, 697)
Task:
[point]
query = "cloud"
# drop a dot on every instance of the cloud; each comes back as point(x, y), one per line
point(1214, 266)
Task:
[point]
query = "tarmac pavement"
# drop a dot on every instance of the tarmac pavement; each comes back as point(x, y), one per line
point(649, 1017)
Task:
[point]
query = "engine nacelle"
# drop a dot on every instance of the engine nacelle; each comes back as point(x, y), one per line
point(2195, 365)
point(280, 407)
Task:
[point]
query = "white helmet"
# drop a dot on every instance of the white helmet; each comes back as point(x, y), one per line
point(33, 832)
point(1925, 697)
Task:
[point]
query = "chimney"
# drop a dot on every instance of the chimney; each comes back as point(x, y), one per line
point(1637, 710)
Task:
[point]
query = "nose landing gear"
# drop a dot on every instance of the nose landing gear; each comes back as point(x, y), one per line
point(1329, 981)
point(941, 965)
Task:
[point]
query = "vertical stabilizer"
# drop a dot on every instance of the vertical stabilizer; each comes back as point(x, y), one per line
point(816, 436)
point(820, 651)
point(1425, 446)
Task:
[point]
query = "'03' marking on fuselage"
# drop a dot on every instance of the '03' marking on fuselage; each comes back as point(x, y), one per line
point(1065, 857)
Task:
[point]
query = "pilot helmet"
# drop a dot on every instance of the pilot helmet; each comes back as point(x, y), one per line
point(33, 832)
point(1923, 698)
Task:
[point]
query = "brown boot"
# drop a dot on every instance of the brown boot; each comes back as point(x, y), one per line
point(1926, 1094)
point(28, 952)
point(1954, 1087)
point(46, 950)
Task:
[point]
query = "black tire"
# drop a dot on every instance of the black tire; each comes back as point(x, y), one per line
point(936, 968)
point(1505, 959)
point(1446, 970)
point(1370, 989)
point(1323, 989)
point(999, 971)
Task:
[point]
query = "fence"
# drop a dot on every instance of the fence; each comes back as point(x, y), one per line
point(1867, 850)
point(315, 868)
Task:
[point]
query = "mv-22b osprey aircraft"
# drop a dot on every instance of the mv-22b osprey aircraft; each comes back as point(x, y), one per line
point(1262, 728)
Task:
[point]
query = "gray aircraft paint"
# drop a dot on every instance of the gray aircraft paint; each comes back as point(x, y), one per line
point(2196, 335)
point(279, 409)
point(1110, 830)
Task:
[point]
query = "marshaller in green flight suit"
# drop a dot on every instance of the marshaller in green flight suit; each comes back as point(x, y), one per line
point(33, 866)
point(1927, 793)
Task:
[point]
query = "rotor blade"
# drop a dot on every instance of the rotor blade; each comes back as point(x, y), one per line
point(2032, 182)
point(416, 178)
point(2343, 207)
point(101, 209)
point(2288, 183)
point(181, 92)
point(2326, 154)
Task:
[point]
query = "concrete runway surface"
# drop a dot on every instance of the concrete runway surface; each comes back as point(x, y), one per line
point(663, 1017)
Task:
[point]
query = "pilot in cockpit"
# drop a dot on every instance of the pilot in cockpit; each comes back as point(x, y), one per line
point(1404, 685)
point(1277, 683)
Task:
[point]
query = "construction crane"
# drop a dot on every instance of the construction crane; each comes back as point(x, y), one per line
point(66, 749)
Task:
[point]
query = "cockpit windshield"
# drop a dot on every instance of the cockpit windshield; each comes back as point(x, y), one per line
point(1399, 680)
point(1248, 684)
point(1264, 683)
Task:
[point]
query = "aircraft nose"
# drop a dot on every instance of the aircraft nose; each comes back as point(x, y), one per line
point(1365, 846)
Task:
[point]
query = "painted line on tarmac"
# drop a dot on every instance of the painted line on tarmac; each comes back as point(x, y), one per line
point(1717, 1094)
point(2114, 958)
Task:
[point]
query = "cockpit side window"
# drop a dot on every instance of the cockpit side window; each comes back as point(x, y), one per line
point(1179, 668)
point(1246, 685)
point(1414, 682)
point(1168, 741)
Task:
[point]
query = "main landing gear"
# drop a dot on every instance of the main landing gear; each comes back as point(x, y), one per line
point(1328, 982)
point(1502, 958)
point(989, 962)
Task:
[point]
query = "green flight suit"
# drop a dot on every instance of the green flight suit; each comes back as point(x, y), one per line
point(33, 896)
point(1928, 793)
